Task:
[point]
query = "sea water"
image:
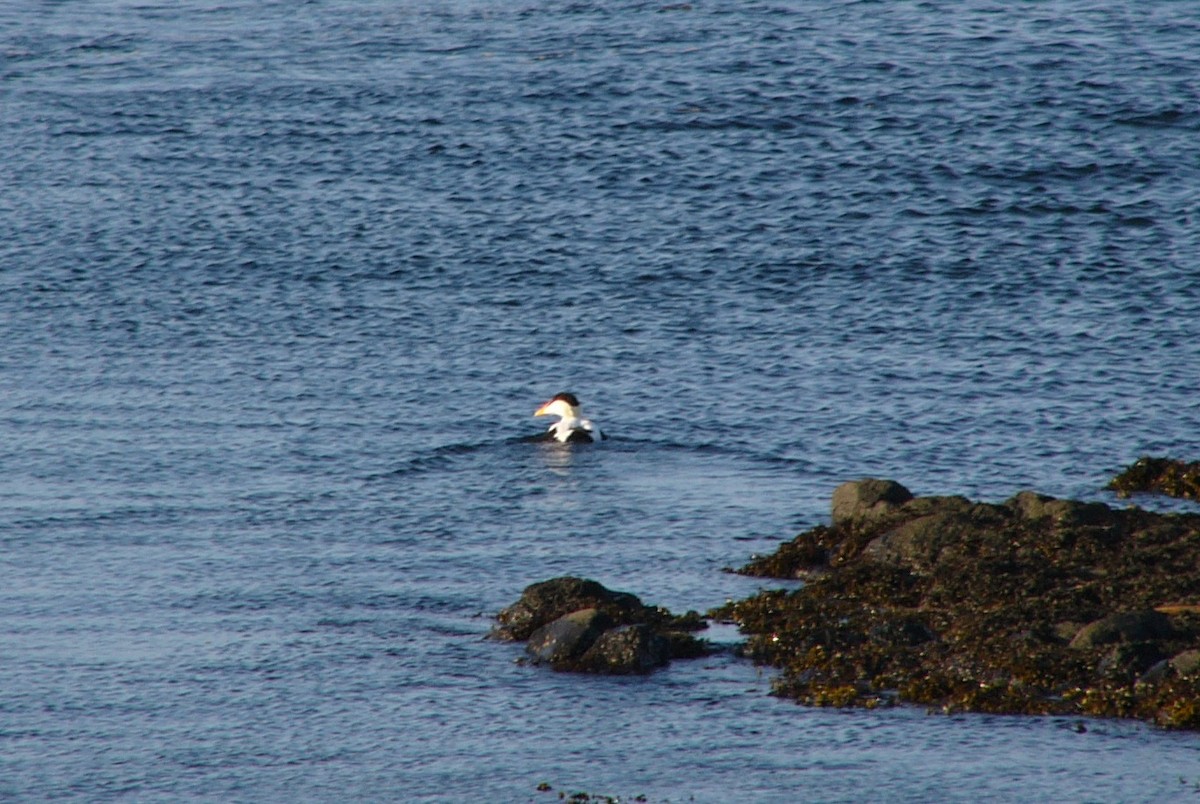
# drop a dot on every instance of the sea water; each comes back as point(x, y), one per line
point(281, 285)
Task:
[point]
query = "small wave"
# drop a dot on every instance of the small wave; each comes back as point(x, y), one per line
point(112, 43)
point(447, 456)
point(1164, 118)
point(444, 458)
point(706, 448)
point(437, 459)
point(697, 122)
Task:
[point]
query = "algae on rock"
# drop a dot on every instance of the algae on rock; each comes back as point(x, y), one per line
point(1034, 605)
point(1168, 476)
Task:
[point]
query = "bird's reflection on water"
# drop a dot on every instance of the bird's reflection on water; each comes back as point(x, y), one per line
point(558, 458)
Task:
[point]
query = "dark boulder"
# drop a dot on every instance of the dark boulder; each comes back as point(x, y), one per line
point(1128, 626)
point(867, 500)
point(626, 650)
point(1033, 506)
point(575, 624)
point(544, 602)
point(1157, 673)
point(1128, 660)
point(921, 543)
point(568, 637)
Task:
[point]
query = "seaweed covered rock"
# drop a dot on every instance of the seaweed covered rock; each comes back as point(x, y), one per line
point(1033, 605)
point(544, 602)
point(575, 624)
point(1168, 476)
point(626, 649)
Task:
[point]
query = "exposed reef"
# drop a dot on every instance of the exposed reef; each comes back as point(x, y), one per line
point(578, 625)
point(1159, 475)
point(1035, 605)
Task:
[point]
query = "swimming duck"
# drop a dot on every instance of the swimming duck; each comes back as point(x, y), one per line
point(571, 427)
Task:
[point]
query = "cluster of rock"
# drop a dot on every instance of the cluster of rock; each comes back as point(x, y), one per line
point(1034, 605)
point(1168, 476)
point(578, 625)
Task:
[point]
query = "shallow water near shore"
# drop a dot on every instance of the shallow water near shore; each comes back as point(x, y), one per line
point(281, 286)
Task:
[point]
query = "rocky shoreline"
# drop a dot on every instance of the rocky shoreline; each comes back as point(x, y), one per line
point(1031, 606)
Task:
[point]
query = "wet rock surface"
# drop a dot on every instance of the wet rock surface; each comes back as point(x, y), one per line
point(1034, 605)
point(568, 637)
point(1168, 476)
point(578, 625)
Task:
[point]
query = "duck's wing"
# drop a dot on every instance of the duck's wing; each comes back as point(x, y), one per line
point(592, 431)
point(574, 431)
point(579, 436)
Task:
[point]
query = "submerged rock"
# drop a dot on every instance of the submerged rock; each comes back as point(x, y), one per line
point(575, 624)
point(1034, 605)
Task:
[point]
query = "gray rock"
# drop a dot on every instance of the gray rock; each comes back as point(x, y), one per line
point(1129, 626)
point(1159, 672)
point(1186, 663)
point(625, 650)
point(867, 500)
point(542, 603)
point(1030, 504)
point(575, 624)
point(567, 638)
point(1033, 506)
point(920, 543)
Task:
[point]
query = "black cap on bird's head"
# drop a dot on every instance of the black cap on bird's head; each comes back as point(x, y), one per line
point(563, 404)
point(571, 426)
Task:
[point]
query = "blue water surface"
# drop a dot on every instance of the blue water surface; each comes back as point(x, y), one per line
point(281, 285)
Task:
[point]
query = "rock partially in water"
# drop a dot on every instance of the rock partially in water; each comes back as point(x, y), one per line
point(1169, 476)
point(627, 649)
point(575, 624)
point(542, 603)
point(567, 638)
point(1034, 605)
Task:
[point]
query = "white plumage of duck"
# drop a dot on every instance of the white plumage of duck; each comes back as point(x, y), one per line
point(571, 428)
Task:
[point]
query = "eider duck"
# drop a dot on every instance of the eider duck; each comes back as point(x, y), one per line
point(570, 428)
